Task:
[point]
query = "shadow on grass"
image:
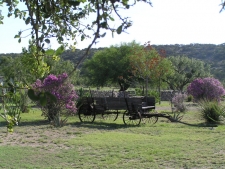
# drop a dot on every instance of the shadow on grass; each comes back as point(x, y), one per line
point(34, 123)
point(198, 125)
point(113, 126)
point(28, 123)
point(101, 125)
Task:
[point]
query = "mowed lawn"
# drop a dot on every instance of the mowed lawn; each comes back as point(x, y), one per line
point(107, 144)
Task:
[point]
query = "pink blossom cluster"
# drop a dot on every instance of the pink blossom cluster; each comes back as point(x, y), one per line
point(206, 88)
point(61, 88)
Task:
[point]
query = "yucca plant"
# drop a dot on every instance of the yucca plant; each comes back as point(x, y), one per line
point(212, 111)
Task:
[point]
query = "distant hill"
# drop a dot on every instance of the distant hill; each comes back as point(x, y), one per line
point(210, 53)
point(206, 52)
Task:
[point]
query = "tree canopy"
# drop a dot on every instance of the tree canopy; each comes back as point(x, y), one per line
point(185, 71)
point(149, 64)
point(110, 66)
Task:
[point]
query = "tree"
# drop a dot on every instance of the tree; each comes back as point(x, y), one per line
point(110, 66)
point(185, 71)
point(163, 69)
point(7, 63)
point(147, 63)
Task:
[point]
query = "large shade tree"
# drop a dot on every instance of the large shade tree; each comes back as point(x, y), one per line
point(149, 64)
point(110, 66)
point(185, 71)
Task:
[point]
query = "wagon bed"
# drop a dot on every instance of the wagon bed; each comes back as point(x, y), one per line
point(134, 109)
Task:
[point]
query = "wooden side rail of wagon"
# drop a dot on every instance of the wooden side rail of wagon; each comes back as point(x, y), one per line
point(113, 106)
point(107, 107)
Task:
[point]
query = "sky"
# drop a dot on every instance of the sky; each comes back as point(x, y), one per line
point(167, 22)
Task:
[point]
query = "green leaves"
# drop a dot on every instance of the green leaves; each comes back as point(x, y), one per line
point(51, 97)
point(119, 29)
point(59, 51)
point(50, 52)
point(103, 35)
point(27, 21)
point(18, 36)
point(82, 37)
point(104, 25)
point(74, 3)
point(47, 40)
point(42, 97)
point(32, 95)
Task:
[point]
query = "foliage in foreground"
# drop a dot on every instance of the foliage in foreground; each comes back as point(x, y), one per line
point(11, 104)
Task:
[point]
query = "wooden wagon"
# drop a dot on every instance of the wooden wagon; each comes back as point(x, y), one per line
point(134, 109)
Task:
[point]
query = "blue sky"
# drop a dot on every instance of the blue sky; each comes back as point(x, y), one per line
point(167, 22)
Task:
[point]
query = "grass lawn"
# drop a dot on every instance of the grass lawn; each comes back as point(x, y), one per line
point(107, 144)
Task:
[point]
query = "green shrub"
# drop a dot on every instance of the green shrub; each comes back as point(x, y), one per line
point(153, 93)
point(139, 91)
point(189, 98)
point(211, 111)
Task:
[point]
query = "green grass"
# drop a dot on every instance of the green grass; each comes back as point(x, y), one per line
point(105, 144)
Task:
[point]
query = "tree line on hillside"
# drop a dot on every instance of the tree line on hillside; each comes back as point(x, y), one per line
point(206, 52)
point(209, 53)
point(131, 64)
point(124, 65)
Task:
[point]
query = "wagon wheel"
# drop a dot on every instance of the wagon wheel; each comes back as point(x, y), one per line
point(151, 120)
point(131, 119)
point(110, 115)
point(86, 114)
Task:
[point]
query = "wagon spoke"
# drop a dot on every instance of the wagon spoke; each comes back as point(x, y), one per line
point(86, 114)
point(112, 116)
point(131, 119)
point(151, 120)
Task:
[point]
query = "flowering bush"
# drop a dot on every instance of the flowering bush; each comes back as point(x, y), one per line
point(178, 102)
point(63, 90)
point(206, 88)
